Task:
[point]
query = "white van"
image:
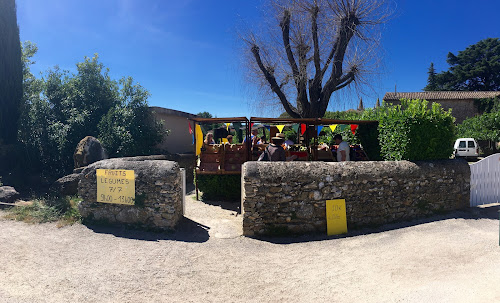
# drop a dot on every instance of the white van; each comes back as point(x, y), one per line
point(466, 147)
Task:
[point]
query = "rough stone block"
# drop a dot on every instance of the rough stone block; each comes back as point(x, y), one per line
point(153, 207)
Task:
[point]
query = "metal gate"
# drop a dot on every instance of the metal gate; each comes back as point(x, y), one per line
point(485, 181)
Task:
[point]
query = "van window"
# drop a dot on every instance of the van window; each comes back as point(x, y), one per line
point(461, 144)
point(470, 144)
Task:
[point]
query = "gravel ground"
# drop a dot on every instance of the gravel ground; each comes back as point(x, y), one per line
point(453, 258)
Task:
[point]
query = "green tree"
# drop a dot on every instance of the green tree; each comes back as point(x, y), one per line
point(477, 68)
point(483, 127)
point(62, 108)
point(321, 47)
point(11, 72)
point(129, 129)
point(204, 115)
point(431, 80)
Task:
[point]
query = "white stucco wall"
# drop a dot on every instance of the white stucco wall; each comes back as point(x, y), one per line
point(179, 140)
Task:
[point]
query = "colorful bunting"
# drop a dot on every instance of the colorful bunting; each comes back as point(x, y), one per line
point(333, 127)
point(353, 128)
point(302, 129)
point(251, 125)
point(295, 127)
point(190, 129)
point(227, 126)
point(268, 127)
point(342, 127)
point(199, 139)
point(320, 127)
point(280, 128)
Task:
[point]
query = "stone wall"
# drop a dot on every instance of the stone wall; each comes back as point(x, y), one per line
point(291, 196)
point(158, 194)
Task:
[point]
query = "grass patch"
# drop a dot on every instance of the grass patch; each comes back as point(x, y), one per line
point(63, 210)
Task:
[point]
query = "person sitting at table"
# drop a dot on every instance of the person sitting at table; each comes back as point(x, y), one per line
point(285, 146)
point(253, 136)
point(262, 140)
point(255, 140)
point(274, 151)
point(209, 139)
point(343, 149)
point(289, 140)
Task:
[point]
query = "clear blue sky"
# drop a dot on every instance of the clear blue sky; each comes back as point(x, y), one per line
point(186, 52)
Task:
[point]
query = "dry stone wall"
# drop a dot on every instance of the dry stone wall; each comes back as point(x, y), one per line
point(291, 196)
point(158, 194)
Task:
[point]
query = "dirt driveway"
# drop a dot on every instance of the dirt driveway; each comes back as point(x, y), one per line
point(446, 259)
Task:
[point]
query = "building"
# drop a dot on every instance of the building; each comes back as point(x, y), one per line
point(463, 104)
point(179, 140)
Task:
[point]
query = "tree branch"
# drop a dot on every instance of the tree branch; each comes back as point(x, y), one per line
point(314, 27)
point(292, 111)
point(285, 29)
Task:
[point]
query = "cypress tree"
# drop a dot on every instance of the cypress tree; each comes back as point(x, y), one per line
point(360, 105)
point(432, 80)
point(11, 72)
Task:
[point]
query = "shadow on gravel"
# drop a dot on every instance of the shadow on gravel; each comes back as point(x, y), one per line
point(476, 213)
point(186, 231)
point(227, 205)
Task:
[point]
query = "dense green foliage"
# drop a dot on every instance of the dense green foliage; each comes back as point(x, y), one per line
point(220, 187)
point(410, 131)
point(413, 131)
point(488, 105)
point(11, 72)
point(484, 127)
point(62, 108)
point(477, 68)
point(127, 129)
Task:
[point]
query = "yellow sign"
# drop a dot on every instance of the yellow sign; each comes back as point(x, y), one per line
point(199, 138)
point(336, 220)
point(115, 186)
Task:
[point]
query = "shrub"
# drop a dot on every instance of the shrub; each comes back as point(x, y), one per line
point(413, 131)
point(220, 187)
point(64, 210)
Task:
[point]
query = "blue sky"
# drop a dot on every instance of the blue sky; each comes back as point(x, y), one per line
point(187, 53)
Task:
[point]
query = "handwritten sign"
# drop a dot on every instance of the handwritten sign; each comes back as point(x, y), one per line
point(115, 186)
point(336, 220)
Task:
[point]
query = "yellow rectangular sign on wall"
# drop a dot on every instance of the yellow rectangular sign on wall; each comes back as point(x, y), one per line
point(115, 186)
point(336, 220)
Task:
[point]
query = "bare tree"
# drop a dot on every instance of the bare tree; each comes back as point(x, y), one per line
point(316, 47)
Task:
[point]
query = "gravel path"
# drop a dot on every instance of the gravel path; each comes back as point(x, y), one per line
point(450, 259)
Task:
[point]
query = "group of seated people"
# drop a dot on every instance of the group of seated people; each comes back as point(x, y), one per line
point(209, 139)
point(277, 150)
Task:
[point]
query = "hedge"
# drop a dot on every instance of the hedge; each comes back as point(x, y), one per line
point(414, 131)
point(220, 187)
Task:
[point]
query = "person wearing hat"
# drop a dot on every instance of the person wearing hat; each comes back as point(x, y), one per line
point(274, 152)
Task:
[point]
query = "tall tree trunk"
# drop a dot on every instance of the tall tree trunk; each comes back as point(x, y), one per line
point(11, 72)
